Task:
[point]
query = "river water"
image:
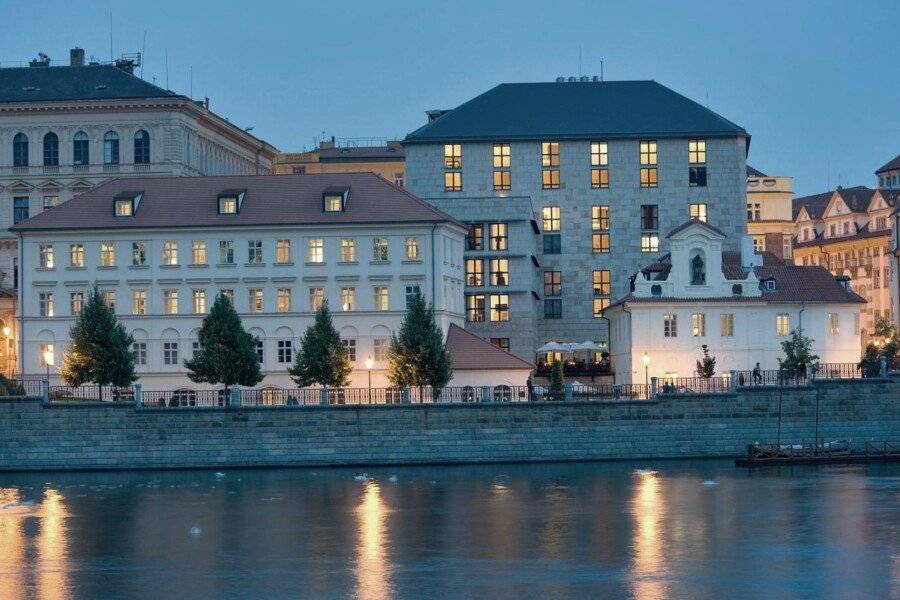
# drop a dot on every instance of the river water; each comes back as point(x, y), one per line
point(693, 529)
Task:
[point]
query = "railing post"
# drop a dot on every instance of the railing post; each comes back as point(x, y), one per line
point(485, 393)
point(235, 397)
point(138, 401)
point(617, 391)
point(567, 392)
point(404, 397)
point(323, 396)
point(882, 367)
point(732, 380)
point(45, 390)
point(654, 387)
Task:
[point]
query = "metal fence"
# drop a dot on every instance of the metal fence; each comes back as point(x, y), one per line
point(695, 385)
point(780, 377)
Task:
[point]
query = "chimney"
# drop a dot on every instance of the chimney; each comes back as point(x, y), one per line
point(434, 114)
point(76, 57)
point(843, 281)
point(749, 258)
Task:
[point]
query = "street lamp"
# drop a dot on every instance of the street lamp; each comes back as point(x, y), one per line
point(646, 360)
point(48, 360)
point(6, 331)
point(369, 363)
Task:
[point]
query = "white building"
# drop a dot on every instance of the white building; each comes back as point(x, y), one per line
point(742, 305)
point(160, 249)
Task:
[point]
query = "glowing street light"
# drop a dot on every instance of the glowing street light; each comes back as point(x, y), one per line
point(6, 331)
point(369, 363)
point(646, 360)
point(48, 360)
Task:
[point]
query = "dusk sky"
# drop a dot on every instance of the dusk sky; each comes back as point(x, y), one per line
point(815, 83)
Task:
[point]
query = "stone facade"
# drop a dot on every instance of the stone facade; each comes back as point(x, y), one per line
point(118, 436)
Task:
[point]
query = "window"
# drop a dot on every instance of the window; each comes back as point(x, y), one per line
point(649, 216)
point(140, 353)
point(381, 298)
point(553, 308)
point(475, 238)
point(141, 147)
point(20, 209)
point(283, 300)
point(285, 351)
point(599, 305)
point(599, 164)
point(398, 179)
point(333, 202)
point(226, 252)
point(697, 160)
point(170, 253)
point(600, 223)
point(76, 303)
point(198, 301)
point(44, 349)
point(649, 242)
point(697, 176)
point(726, 325)
point(499, 307)
point(499, 239)
point(260, 350)
point(550, 165)
point(348, 299)
point(698, 324)
point(195, 349)
point(255, 300)
point(315, 250)
point(170, 302)
point(648, 164)
point(170, 353)
point(138, 254)
point(452, 168)
point(475, 308)
point(782, 324)
point(81, 155)
point(107, 254)
point(412, 248)
point(474, 272)
point(500, 271)
point(552, 243)
point(316, 298)
point(348, 250)
point(124, 207)
point(411, 292)
point(109, 299)
point(20, 150)
point(380, 249)
point(350, 347)
point(551, 218)
point(51, 150)
point(502, 175)
point(50, 200)
point(759, 243)
point(380, 347)
point(876, 274)
point(698, 211)
point(198, 252)
point(833, 328)
point(552, 283)
point(670, 325)
point(46, 256)
point(228, 205)
point(139, 302)
point(254, 252)
point(602, 285)
point(111, 148)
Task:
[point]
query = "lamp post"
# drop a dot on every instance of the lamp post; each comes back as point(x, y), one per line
point(6, 351)
point(369, 368)
point(48, 360)
point(646, 360)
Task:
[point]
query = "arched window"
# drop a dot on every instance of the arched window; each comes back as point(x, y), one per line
point(20, 150)
point(141, 147)
point(51, 150)
point(698, 271)
point(111, 148)
point(81, 153)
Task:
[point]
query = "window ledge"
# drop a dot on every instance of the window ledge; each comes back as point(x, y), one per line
point(169, 266)
point(348, 262)
point(409, 261)
point(75, 268)
point(284, 264)
point(379, 262)
point(107, 268)
point(45, 269)
point(198, 266)
point(139, 266)
point(225, 265)
point(255, 264)
point(315, 264)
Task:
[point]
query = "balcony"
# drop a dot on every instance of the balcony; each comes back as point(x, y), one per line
point(576, 368)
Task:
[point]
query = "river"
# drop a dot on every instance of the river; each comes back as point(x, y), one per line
point(647, 531)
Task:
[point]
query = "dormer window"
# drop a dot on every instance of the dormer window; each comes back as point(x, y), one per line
point(230, 202)
point(656, 290)
point(125, 205)
point(768, 285)
point(737, 290)
point(334, 200)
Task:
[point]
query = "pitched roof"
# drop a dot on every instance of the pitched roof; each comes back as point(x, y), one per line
point(856, 198)
point(90, 82)
point(173, 202)
point(697, 222)
point(751, 172)
point(468, 351)
point(891, 165)
point(361, 153)
point(575, 110)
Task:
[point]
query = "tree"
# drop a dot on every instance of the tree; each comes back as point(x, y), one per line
point(417, 355)
point(100, 348)
point(322, 357)
point(706, 366)
point(870, 365)
point(557, 380)
point(798, 356)
point(227, 353)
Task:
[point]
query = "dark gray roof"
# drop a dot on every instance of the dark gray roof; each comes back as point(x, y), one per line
point(575, 110)
point(890, 165)
point(751, 172)
point(856, 198)
point(91, 82)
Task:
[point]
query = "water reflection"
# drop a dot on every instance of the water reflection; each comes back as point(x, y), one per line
point(648, 510)
point(372, 558)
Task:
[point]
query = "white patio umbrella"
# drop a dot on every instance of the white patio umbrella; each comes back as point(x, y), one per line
point(552, 347)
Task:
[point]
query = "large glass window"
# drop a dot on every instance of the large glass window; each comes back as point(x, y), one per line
point(170, 302)
point(499, 271)
point(475, 238)
point(348, 299)
point(726, 322)
point(315, 250)
point(76, 303)
point(412, 248)
point(348, 250)
point(698, 211)
point(697, 160)
point(81, 153)
point(670, 325)
point(648, 157)
point(254, 252)
point(76, 255)
point(283, 300)
point(552, 283)
point(45, 304)
point(380, 249)
point(107, 254)
point(474, 272)
point(316, 298)
point(553, 308)
point(51, 150)
point(20, 150)
point(170, 253)
point(452, 168)
point(226, 252)
point(111, 148)
point(698, 324)
point(499, 307)
point(599, 165)
point(139, 302)
point(20, 209)
point(138, 254)
point(649, 216)
point(285, 351)
point(475, 308)
point(782, 324)
point(550, 165)
point(45, 252)
point(502, 174)
point(198, 301)
point(141, 147)
point(380, 294)
point(600, 228)
point(499, 239)
point(198, 252)
point(551, 218)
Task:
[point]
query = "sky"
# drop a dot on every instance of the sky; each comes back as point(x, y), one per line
point(815, 83)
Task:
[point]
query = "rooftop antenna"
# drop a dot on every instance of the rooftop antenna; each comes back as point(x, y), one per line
point(601, 69)
point(167, 69)
point(143, 53)
point(579, 60)
point(110, 37)
point(191, 85)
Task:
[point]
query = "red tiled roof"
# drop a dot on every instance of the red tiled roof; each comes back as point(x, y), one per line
point(172, 202)
point(468, 351)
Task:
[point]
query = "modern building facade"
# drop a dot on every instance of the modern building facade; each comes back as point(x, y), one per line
point(848, 232)
point(741, 305)
point(161, 249)
point(347, 156)
point(770, 220)
point(567, 188)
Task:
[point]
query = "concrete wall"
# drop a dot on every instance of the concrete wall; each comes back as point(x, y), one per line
point(33, 436)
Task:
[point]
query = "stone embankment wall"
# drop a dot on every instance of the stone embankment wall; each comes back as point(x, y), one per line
point(34, 436)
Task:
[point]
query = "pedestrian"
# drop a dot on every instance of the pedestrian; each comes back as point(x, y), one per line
point(757, 374)
point(530, 384)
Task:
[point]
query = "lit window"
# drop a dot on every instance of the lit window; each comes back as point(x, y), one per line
point(170, 302)
point(315, 250)
point(285, 351)
point(170, 253)
point(474, 272)
point(170, 353)
point(283, 300)
point(380, 347)
point(600, 223)
point(833, 328)
point(228, 295)
point(107, 254)
point(499, 307)
point(139, 302)
point(412, 248)
point(475, 308)
point(550, 165)
point(648, 163)
point(348, 250)
point(316, 298)
point(76, 255)
point(333, 202)
point(502, 174)
point(697, 160)
point(599, 305)
point(255, 297)
point(228, 205)
point(552, 283)
point(109, 299)
point(380, 249)
point(599, 164)
point(198, 252)
point(754, 213)
point(226, 252)
point(551, 218)
point(499, 271)
point(45, 349)
point(282, 251)
point(124, 208)
point(726, 322)
point(254, 252)
point(602, 285)
point(45, 301)
point(452, 167)
point(76, 303)
point(350, 347)
point(698, 211)
point(650, 242)
point(138, 254)
point(670, 325)
point(475, 237)
point(46, 256)
point(50, 200)
point(381, 298)
point(198, 301)
point(782, 324)
point(348, 299)
point(499, 239)
point(698, 324)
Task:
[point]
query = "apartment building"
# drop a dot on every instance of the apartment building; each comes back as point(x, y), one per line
point(770, 220)
point(347, 155)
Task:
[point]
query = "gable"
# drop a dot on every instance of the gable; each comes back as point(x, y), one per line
point(836, 207)
point(877, 203)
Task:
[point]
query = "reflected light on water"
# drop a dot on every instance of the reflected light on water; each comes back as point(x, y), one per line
point(52, 552)
point(647, 509)
point(12, 546)
point(372, 571)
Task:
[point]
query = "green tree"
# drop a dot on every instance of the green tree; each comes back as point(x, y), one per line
point(322, 357)
point(557, 380)
point(706, 366)
point(798, 356)
point(100, 348)
point(227, 353)
point(870, 365)
point(884, 328)
point(418, 355)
